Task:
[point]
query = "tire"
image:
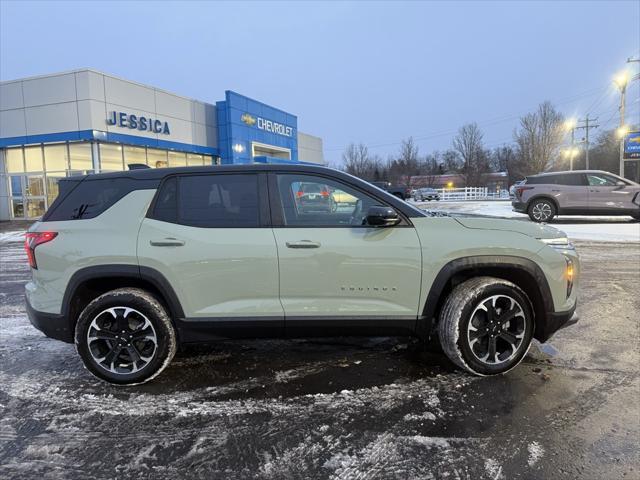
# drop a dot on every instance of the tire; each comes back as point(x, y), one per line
point(463, 313)
point(541, 210)
point(140, 315)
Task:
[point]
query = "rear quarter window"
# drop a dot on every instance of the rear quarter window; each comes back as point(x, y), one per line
point(542, 180)
point(93, 196)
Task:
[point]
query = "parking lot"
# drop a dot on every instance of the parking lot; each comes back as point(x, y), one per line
point(335, 408)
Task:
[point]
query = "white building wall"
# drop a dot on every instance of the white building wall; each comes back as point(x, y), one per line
point(84, 99)
point(310, 149)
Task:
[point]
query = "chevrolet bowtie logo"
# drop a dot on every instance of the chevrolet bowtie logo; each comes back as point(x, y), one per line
point(248, 119)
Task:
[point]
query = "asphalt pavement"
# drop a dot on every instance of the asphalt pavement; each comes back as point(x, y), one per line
point(332, 408)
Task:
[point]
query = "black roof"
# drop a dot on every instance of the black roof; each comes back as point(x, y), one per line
point(151, 178)
point(160, 173)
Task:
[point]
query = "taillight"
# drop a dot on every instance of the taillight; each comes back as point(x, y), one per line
point(300, 193)
point(519, 190)
point(32, 240)
point(325, 193)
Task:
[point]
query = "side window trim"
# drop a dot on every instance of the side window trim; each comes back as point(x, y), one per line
point(277, 210)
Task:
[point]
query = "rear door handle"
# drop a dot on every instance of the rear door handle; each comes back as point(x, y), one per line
point(167, 242)
point(303, 244)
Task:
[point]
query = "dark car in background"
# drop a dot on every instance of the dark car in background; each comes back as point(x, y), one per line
point(313, 197)
point(426, 194)
point(397, 191)
point(578, 192)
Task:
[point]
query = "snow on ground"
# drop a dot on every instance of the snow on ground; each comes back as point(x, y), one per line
point(596, 228)
point(14, 236)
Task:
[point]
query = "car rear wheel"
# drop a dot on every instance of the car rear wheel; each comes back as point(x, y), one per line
point(125, 337)
point(486, 325)
point(542, 210)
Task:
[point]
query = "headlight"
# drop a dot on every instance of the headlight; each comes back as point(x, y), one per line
point(560, 243)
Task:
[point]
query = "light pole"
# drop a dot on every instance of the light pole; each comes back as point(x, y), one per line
point(621, 82)
point(570, 124)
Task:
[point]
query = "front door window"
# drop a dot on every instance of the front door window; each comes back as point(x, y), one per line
point(309, 200)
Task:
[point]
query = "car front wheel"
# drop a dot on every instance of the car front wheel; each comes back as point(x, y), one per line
point(542, 211)
point(486, 325)
point(125, 337)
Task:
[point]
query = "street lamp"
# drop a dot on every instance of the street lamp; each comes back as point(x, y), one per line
point(621, 79)
point(622, 131)
point(570, 124)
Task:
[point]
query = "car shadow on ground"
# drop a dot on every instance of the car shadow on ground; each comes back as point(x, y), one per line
point(289, 368)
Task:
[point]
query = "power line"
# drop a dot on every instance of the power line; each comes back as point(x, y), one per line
point(488, 122)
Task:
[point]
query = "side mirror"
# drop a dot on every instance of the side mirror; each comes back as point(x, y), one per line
point(620, 183)
point(378, 216)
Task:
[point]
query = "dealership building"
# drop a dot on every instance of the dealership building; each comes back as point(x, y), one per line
point(84, 121)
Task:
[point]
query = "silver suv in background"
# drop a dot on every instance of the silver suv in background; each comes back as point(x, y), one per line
point(578, 192)
point(428, 194)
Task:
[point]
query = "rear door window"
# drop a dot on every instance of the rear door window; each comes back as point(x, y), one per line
point(572, 179)
point(218, 201)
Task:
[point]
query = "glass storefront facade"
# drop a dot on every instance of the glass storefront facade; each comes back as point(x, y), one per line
point(32, 172)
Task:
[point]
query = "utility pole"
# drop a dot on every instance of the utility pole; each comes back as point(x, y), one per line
point(573, 146)
point(623, 95)
point(586, 127)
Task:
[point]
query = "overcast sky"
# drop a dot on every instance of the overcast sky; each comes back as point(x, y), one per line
point(352, 72)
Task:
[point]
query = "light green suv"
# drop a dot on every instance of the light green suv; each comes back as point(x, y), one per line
point(131, 264)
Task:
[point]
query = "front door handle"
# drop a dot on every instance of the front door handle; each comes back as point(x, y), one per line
point(167, 242)
point(303, 244)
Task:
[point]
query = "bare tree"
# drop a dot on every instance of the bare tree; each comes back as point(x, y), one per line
point(406, 166)
point(356, 160)
point(468, 144)
point(505, 159)
point(539, 138)
point(450, 162)
point(430, 169)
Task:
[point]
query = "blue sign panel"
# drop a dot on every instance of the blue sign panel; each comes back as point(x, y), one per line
point(632, 145)
point(245, 124)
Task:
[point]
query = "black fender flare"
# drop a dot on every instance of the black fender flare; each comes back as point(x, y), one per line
point(490, 263)
point(135, 272)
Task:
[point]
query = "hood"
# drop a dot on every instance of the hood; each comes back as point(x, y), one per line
point(530, 229)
